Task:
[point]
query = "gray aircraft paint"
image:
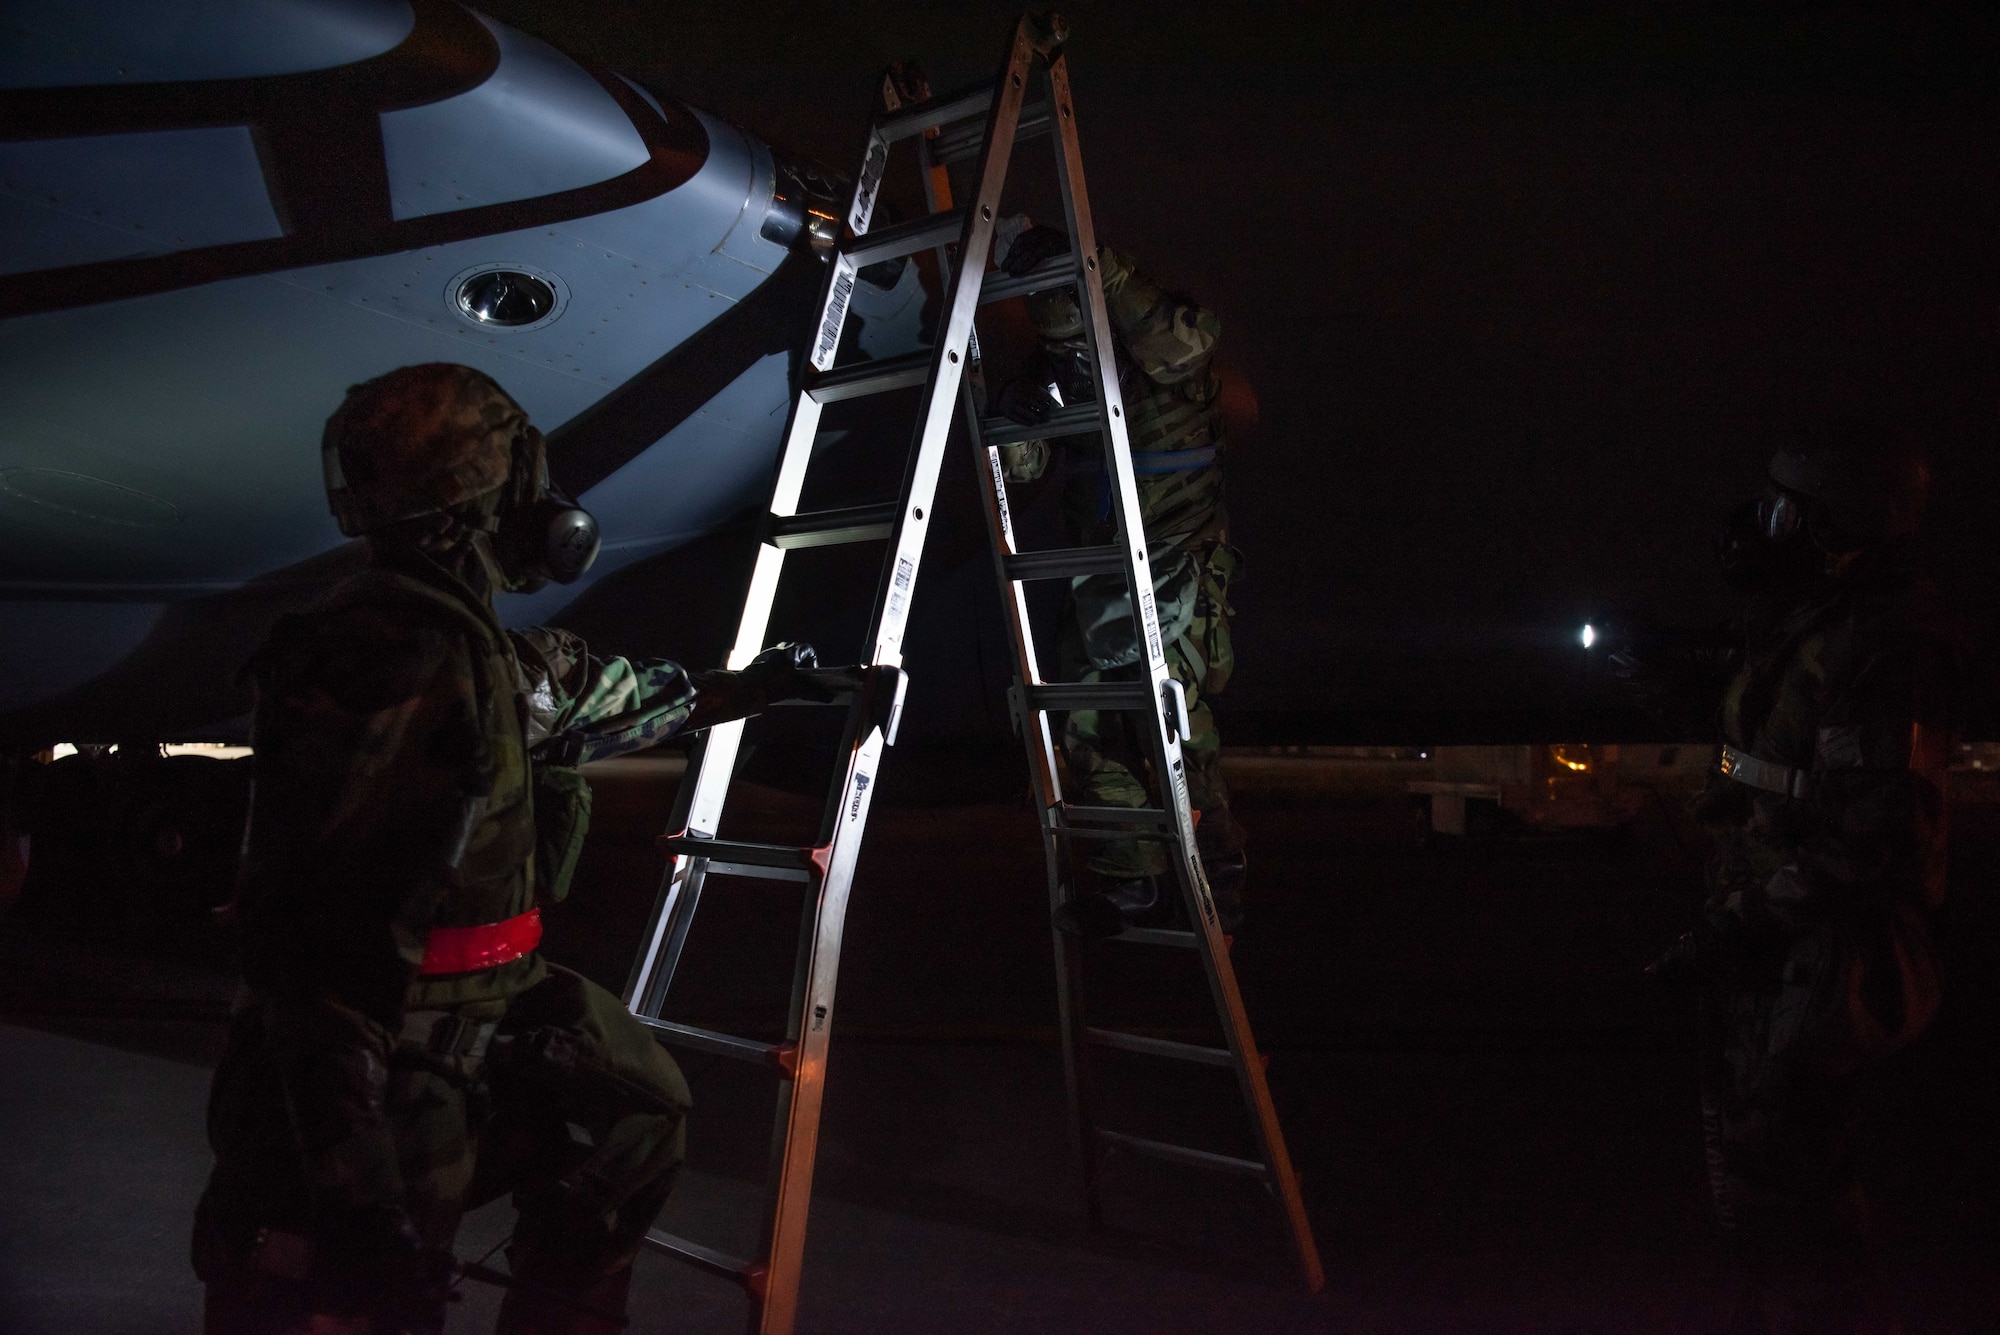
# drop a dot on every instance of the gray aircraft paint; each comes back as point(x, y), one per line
point(165, 448)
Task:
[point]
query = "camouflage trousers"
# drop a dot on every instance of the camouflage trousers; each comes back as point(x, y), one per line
point(1108, 761)
point(1780, 1113)
point(574, 1109)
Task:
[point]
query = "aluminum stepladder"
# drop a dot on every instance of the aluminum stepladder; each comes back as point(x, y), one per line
point(874, 690)
point(1154, 698)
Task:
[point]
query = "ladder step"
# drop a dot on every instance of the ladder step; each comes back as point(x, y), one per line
point(1160, 1149)
point(865, 378)
point(1056, 271)
point(831, 528)
point(963, 143)
point(728, 855)
point(749, 1050)
point(1072, 420)
point(1066, 563)
point(938, 111)
point(1160, 1047)
point(1109, 835)
point(1156, 936)
point(1064, 696)
point(893, 243)
point(1074, 814)
point(749, 1274)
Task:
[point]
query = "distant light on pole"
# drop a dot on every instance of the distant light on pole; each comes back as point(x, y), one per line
point(1589, 636)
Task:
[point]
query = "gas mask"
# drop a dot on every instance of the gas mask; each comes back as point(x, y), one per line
point(541, 534)
point(1763, 545)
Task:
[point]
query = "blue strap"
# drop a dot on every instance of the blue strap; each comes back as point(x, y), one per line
point(1173, 461)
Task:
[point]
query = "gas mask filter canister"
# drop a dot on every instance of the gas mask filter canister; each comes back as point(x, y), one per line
point(543, 534)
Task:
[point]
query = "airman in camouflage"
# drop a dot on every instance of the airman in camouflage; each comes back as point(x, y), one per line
point(1165, 347)
point(401, 1052)
point(1827, 815)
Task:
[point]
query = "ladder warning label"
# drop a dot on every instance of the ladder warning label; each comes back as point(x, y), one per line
point(1150, 619)
point(1000, 491)
point(864, 190)
point(899, 585)
point(836, 316)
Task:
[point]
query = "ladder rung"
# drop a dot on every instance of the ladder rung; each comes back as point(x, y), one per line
point(1108, 835)
point(776, 857)
point(891, 243)
point(1056, 271)
point(749, 1274)
point(1160, 1047)
point(830, 528)
point(1066, 563)
point(1160, 1149)
point(1069, 421)
point(1064, 696)
point(723, 1045)
point(1156, 936)
point(865, 378)
point(965, 142)
point(938, 111)
point(1116, 815)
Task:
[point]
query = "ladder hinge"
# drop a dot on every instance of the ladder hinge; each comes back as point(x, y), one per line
point(1174, 710)
point(887, 688)
point(1048, 32)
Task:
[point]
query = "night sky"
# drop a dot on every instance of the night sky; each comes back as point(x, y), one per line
point(1526, 301)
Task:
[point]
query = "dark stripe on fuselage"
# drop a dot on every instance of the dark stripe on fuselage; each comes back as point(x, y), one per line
point(622, 425)
point(319, 138)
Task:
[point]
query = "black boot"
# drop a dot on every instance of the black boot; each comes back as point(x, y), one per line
point(556, 1299)
point(1110, 909)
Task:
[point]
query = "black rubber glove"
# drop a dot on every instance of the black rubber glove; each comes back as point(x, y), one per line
point(1693, 955)
point(1025, 402)
point(1038, 243)
point(779, 673)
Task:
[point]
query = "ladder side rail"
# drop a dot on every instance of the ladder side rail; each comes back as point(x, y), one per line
point(810, 1024)
point(899, 573)
point(872, 716)
point(647, 976)
point(1037, 738)
point(1060, 852)
point(1036, 731)
point(1032, 724)
point(705, 789)
point(681, 890)
point(1169, 762)
point(1118, 458)
point(801, 434)
point(999, 526)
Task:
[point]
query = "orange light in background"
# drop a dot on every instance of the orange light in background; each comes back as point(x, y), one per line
point(1571, 757)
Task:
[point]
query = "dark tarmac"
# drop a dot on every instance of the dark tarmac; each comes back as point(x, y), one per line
point(1493, 1112)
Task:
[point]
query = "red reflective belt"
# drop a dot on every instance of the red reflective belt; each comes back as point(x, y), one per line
point(467, 949)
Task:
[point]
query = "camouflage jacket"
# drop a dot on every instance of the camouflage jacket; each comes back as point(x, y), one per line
point(395, 793)
point(394, 787)
point(1173, 415)
point(1855, 694)
point(1173, 403)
